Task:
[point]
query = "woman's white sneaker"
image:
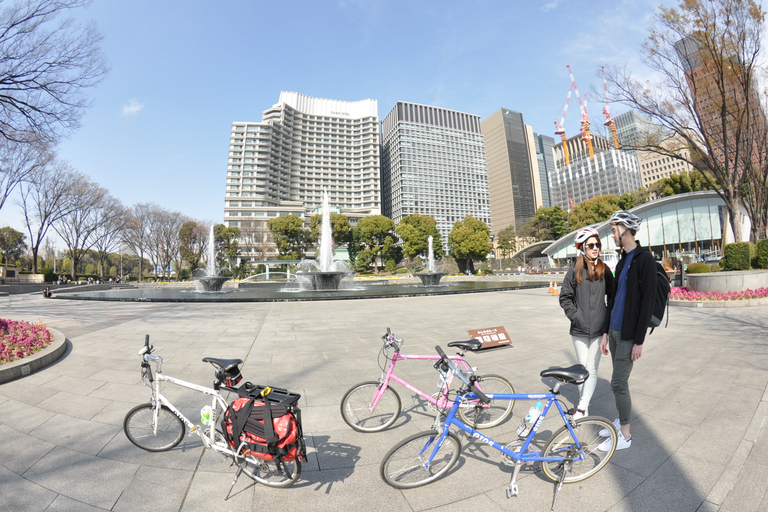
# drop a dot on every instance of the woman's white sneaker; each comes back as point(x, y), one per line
point(605, 432)
point(580, 414)
point(621, 444)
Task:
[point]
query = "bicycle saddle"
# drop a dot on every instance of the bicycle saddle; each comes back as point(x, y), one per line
point(575, 374)
point(466, 345)
point(224, 364)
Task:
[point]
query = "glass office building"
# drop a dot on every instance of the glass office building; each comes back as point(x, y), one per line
point(696, 222)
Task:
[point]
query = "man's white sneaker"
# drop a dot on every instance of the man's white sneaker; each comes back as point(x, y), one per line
point(621, 444)
point(580, 414)
point(605, 432)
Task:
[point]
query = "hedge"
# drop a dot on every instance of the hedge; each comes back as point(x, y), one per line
point(762, 254)
point(698, 268)
point(738, 256)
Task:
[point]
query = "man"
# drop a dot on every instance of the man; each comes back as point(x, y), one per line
point(630, 313)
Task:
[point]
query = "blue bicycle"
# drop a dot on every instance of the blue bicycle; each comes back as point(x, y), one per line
point(571, 454)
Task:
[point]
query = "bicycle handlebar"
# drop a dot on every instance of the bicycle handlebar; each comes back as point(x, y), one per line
point(146, 349)
point(470, 382)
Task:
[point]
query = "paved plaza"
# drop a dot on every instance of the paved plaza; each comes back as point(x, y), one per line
point(700, 440)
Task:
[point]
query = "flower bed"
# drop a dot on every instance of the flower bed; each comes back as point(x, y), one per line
point(20, 339)
point(691, 295)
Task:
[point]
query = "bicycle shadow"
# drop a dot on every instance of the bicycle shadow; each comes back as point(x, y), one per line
point(328, 462)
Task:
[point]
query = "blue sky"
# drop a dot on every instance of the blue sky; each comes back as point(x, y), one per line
point(183, 71)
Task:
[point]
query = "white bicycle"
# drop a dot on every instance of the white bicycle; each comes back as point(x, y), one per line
point(158, 426)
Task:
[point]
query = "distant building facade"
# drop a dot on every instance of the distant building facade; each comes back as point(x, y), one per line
point(302, 146)
point(546, 159)
point(514, 179)
point(433, 163)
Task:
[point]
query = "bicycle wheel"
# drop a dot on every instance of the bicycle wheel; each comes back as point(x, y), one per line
point(579, 464)
point(267, 472)
point(404, 467)
point(356, 407)
point(493, 413)
point(139, 427)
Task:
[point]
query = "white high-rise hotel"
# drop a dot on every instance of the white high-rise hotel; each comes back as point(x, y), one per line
point(303, 145)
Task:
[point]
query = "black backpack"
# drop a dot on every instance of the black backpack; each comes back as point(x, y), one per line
point(660, 298)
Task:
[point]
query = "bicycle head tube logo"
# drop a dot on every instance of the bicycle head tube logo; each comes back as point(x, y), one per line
point(481, 437)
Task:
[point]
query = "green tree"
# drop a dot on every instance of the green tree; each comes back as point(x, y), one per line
point(341, 230)
point(470, 240)
point(681, 183)
point(376, 233)
point(506, 241)
point(415, 230)
point(11, 244)
point(193, 241)
point(549, 223)
point(290, 236)
point(629, 200)
point(227, 248)
point(594, 210)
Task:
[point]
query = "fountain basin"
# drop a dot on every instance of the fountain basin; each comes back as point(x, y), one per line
point(323, 280)
point(430, 278)
point(211, 283)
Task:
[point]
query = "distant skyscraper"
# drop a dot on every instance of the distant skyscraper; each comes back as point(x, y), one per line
point(433, 163)
point(302, 146)
point(546, 159)
point(514, 180)
point(609, 171)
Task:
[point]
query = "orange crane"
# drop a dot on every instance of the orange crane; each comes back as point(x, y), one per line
point(559, 130)
point(607, 111)
point(585, 135)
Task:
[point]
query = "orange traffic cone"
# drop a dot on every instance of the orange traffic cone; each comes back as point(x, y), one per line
point(555, 289)
point(551, 289)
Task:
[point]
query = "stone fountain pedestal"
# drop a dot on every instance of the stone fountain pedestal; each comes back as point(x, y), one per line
point(323, 280)
point(211, 283)
point(430, 278)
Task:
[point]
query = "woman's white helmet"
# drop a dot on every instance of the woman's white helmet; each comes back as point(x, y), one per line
point(626, 219)
point(583, 235)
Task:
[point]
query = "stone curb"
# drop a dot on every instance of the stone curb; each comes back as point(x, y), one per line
point(37, 361)
point(719, 303)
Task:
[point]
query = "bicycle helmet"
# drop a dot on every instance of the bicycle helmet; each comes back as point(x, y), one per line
point(583, 235)
point(626, 219)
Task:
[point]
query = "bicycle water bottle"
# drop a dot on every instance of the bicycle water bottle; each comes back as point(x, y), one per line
point(533, 414)
point(205, 415)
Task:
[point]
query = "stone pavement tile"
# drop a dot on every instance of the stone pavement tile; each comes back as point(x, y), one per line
point(654, 441)
point(728, 478)
point(749, 489)
point(23, 417)
point(77, 385)
point(480, 502)
point(19, 452)
point(132, 393)
point(64, 504)
point(687, 407)
point(208, 490)
point(26, 393)
point(174, 484)
point(78, 406)
point(73, 474)
point(708, 507)
point(759, 453)
point(23, 494)
point(184, 456)
point(323, 418)
point(114, 413)
point(681, 483)
point(76, 434)
point(111, 375)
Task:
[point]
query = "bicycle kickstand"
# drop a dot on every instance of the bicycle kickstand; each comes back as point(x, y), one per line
point(512, 489)
point(234, 480)
point(557, 489)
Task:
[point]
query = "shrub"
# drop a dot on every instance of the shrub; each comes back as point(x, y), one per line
point(736, 256)
point(715, 267)
point(48, 275)
point(698, 268)
point(762, 254)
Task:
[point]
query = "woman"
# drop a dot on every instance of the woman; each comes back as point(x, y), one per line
point(586, 287)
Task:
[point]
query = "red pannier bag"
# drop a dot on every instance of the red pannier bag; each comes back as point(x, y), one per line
point(247, 421)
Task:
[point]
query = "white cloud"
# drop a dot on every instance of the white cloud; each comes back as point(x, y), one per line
point(132, 109)
point(549, 6)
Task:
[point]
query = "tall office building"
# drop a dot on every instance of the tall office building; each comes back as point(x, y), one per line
point(514, 180)
point(546, 159)
point(302, 146)
point(433, 163)
point(633, 128)
point(609, 171)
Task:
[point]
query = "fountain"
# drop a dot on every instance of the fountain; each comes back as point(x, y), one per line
point(324, 273)
point(211, 280)
point(431, 277)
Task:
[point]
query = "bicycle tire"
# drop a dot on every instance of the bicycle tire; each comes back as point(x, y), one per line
point(356, 407)
point(268, 473)
point(138, 426)
point(402, 466)
point(495, 412)
point(561, 444)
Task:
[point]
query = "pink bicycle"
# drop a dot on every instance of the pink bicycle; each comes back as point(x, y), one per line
point(374, 406)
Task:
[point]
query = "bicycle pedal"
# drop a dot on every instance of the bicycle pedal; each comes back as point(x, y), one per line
point(512, 490)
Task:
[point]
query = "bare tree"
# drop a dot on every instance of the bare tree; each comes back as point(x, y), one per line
point(705, 55)
point(256, 239)
point(18, 163)
point(164, 238)
point(137, 230)
point(46, 198)
point(110, 219)
point(78, 226)
point(47, 60)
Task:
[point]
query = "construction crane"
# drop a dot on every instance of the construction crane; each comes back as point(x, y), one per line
point(607, 111)
point(559, 130)
point(586, 137)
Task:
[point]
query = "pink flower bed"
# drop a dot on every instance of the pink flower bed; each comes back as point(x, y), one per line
point(685, 294)
point(19, 339)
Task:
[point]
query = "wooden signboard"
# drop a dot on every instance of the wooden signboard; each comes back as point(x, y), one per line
point(491, 337)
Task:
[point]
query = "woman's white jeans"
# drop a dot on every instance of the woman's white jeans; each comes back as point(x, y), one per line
point(588, 354)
